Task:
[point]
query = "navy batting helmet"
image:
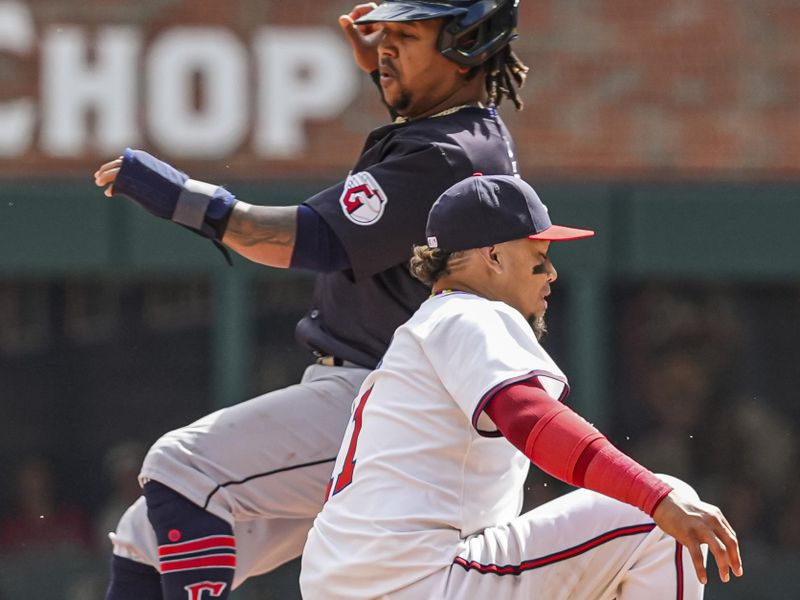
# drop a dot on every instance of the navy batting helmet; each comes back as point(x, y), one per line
point(476, 29)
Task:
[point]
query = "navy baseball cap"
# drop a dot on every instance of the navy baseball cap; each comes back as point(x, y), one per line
point(408, 10)
point(485, 210)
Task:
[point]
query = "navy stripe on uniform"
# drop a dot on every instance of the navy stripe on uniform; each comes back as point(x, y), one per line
point(265, 474)
point(487, 397)
point(555, 557)
point(679, 570)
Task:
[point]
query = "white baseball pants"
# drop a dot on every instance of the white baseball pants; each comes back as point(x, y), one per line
point(581, 546)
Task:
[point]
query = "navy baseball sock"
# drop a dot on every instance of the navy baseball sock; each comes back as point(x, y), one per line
point(196, 550)
point(131, 580)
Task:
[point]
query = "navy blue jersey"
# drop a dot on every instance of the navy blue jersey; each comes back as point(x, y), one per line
point(379, 212)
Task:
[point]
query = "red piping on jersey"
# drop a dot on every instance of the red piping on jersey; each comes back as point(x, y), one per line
point(487, 397)
point(679, 569)
point(207, 543)
point(555, 557)
point(214, 561)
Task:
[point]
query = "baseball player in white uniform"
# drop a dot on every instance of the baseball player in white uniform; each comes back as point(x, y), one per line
point(427, 486)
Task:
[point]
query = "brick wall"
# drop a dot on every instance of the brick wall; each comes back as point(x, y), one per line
point(678, 87)
point(619, 89)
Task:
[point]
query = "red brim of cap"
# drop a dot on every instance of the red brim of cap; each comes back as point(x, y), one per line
point(559, 233)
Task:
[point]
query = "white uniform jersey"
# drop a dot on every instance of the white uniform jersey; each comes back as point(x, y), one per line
point(422, 466)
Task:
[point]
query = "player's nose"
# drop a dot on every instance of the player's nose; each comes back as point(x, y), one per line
point(552, 274)
point(386, 44)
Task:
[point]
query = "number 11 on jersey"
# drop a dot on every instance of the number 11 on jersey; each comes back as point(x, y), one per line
point(345, 477)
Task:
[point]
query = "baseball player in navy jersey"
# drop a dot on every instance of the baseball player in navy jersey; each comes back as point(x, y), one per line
point(426, 491)
point(235, 493)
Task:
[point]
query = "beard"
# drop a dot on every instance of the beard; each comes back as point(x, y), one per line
point(539, 326)
point(403, 102)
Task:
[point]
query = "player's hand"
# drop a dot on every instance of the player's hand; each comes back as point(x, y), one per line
point(692, 523)
point(107, 174)
point(363, 38)
point(168, 193)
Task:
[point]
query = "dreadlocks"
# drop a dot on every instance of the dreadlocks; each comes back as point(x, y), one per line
point(505, 74)
point(431, 264)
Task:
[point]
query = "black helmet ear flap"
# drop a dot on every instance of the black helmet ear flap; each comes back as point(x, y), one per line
point(486, 28)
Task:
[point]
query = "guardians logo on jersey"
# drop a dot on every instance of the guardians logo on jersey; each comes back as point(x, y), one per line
point(363, 200)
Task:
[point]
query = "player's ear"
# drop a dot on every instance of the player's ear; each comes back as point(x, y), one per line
point(490, 257)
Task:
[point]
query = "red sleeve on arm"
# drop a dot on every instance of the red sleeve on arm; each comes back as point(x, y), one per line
point(563, 444)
